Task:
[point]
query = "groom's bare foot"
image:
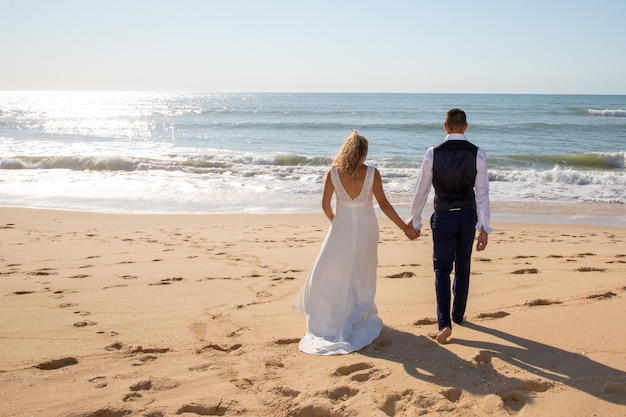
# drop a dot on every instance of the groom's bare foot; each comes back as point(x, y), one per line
point(443, 335)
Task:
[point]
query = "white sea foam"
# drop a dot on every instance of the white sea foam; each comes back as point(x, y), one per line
point(607, 112)
point(176, 153)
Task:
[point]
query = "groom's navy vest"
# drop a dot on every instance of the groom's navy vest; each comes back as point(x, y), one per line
point(454, 175)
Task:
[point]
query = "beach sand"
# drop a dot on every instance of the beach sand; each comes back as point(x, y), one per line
point(106, 315)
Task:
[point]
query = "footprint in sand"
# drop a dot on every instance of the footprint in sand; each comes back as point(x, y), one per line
point(203, 367)
point(129, 276)
point(141, 385)
point(349, 369)
point(23, 292)
point(323, 402)
point(263, 294)
point(515, 396)
point(274, 363)
point(617, 388)
point(406, 274)
point(313, 407)
point(143, 360)
point(590, 269)
point(220, 408)
point(57, 363)
point(288, 341)
point(114, 346)
point(198, 329)
point(43, 272)
point(484, 357)
point(341, 393)
point(85, 323)
point(392, 404)
point(286, 392)
point(132, 396)
point(140, 349)
point(425, 321)
point(112, 333)
point(602, 296)
point(102, 412)
point(215, 346)
point(496, 315)
point(243, 383)
point(542, 302)
point(526, 271)
point(361, 372)
point(155, 385)
point(452, 394)
point(168, 281)
point(99, 381)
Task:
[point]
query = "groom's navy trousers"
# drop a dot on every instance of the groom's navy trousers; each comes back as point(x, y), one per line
point(453, 238)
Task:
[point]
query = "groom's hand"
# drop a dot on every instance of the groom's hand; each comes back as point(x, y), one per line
point(483, 239)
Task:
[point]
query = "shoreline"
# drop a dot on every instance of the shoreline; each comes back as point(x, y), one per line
point(590, 214)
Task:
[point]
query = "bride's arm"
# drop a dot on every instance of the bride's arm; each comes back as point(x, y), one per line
point(388, 209)
point(329, 189)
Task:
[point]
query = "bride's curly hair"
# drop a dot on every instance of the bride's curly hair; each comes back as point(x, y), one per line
point(352, 154)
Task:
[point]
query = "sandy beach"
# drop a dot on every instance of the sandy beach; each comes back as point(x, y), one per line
point(109, 315)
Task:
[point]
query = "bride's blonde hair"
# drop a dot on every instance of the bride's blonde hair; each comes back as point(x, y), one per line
point(352, 154)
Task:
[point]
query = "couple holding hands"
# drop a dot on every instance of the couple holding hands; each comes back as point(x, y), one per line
point(337, 298)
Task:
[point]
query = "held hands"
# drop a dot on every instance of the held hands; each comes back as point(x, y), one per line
point(411, 233)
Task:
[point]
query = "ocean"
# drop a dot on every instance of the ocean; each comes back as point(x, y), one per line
point(559, 156)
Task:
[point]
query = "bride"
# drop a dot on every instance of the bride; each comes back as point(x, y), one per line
point(337, 298)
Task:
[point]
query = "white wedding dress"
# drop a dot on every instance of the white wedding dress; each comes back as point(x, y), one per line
point(338, 296)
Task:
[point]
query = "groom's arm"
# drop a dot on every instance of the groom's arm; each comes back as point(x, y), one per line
point(422, 189)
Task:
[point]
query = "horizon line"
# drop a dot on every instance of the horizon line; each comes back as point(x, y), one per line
point(295, 92)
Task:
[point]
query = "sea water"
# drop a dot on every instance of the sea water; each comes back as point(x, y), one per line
point(268, 153)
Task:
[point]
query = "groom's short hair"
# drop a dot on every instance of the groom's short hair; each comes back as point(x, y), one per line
point(456, 118)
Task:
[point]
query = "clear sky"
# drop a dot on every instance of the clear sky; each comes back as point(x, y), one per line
point(452, 46)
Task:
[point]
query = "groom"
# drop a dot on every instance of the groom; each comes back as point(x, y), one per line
point(457, 169)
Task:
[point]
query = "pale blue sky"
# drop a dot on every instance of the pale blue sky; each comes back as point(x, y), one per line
point(531, 46)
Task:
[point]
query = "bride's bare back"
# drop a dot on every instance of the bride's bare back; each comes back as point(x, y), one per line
point(353, 186)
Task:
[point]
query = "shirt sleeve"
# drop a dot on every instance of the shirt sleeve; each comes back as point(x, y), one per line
point(422, 189)
point(481, 188)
